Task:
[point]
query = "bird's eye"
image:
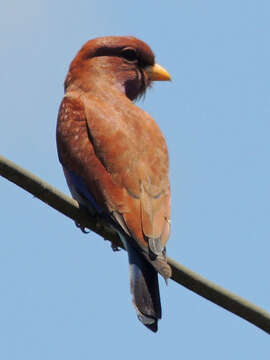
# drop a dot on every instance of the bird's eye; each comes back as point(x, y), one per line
point(129, 54)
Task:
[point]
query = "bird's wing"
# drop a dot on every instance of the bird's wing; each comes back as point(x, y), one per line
point(132, 149)
point(116, 158)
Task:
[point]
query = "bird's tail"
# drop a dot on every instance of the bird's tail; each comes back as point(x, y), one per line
point(144, 288)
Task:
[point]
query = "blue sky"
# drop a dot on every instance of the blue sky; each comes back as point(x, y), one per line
point(57, 299)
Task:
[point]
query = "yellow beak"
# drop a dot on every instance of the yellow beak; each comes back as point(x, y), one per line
point(157, 73)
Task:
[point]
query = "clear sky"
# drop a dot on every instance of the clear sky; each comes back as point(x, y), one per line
point(65, 295)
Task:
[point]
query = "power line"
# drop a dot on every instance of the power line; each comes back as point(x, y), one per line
point(180, 274)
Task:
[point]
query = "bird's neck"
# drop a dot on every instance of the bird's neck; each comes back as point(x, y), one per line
point(104, 92)
point(107, 91)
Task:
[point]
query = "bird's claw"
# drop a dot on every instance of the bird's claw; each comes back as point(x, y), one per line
point(83, 229)
point(115, 247)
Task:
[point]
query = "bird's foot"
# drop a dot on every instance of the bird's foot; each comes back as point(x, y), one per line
point(83, 228)
point(115, 247)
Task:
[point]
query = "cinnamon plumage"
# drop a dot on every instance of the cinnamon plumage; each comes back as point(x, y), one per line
point(115, 158)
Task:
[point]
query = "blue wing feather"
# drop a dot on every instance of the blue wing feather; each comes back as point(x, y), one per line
point(80, 192)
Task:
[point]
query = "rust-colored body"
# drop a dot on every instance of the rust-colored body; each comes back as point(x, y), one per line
point(115, 148)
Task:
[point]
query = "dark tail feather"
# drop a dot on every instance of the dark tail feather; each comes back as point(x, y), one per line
point(144, 289)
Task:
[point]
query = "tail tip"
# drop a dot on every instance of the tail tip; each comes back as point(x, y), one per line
point(150, 322)
point(153, 327)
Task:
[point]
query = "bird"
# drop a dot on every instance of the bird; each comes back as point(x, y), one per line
point(115, 158)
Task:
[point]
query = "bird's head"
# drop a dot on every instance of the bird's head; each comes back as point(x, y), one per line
point(126, 63)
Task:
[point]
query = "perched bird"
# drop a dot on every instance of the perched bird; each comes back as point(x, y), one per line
point(115, 158)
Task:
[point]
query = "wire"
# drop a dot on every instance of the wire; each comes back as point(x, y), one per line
point(180, 274)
